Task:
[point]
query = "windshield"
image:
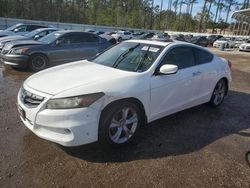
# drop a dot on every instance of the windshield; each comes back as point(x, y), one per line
point(50, 38)
point(32, 34)
point(130, 56)
point(12, 27)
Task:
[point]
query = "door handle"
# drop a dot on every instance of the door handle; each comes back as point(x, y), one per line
point(196, 73)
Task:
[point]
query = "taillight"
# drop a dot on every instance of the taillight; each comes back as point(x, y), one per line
point(229, 64)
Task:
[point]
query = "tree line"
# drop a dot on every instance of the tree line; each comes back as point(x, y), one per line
point(177, 15)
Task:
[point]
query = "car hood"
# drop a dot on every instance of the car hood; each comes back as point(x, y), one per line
point(12, 38)
point(81, 73)
point(19, 43)
point(6, 33)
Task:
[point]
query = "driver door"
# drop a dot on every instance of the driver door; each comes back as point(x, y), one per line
point(175, 92)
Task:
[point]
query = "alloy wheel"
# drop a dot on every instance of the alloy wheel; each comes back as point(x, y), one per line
point(123, 125)
point(219, 92)
point(38, 62)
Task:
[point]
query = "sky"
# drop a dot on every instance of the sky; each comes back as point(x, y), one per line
point(197, 7)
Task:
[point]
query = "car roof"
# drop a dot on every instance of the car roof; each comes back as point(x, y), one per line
point(154, 42)
point(47, 28)
point(73, 31)
point(164, 44)
point(19, 24)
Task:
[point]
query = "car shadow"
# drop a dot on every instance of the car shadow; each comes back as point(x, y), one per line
point(180, 133)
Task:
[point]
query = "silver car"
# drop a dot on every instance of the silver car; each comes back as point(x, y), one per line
point(54, 49)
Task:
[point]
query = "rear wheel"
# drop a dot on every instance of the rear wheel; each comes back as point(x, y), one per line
point(38, 62)
point(120, 124)
point(218, 93)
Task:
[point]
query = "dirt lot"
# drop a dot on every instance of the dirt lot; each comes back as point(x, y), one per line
point(199, 147)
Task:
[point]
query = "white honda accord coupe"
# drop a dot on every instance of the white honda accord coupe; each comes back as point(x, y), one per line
point(109, 97)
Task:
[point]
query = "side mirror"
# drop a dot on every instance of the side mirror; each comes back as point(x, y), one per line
point(16, 30)
point(168, 69)
point(36, 37)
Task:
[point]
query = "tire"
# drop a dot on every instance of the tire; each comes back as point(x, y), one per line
point(38, 62)
point(219, 93)
point(113, 129)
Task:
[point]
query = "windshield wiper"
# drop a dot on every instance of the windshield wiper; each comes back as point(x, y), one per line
point(142, 61)
point(118, 60)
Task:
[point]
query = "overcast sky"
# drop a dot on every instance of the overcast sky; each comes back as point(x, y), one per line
point(197, 7)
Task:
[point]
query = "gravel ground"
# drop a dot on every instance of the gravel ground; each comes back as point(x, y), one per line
point(199, 147)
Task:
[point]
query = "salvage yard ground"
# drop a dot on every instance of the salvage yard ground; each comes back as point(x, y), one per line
point(199, 147)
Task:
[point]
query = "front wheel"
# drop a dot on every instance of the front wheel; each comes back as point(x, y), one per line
point(120, 124)
point(38, 62)
point(218, 93)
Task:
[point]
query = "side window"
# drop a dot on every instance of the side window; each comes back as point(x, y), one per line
point(90, 38)
point(202, 56)
point(42, 34)
point(31, 27)
point(73, 38)
point(77, 38)
point(65, 40)
point(183, 57)
point(127, 33)
point(50, 31)
point(22, 28)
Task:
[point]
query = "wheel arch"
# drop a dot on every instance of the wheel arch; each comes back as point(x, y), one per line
point(129, 99)
point(227, 83)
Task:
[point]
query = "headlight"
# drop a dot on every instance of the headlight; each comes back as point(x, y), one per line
point(19, 51)
point(74, 102)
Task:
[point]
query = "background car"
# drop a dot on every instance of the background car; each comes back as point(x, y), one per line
point(199, 40)
point(147, 35)
point(56, 48)
point(228, 42)
point(177, 37)
point(110, 97)
point(109, 38)
point(122, 35)
point(99, 32)
point(33, 35)
point(161, 36)
point(239, 41)
point(109, 32)
point(245, 46)
point(20, 29)
point(188, 37)
point(212, 38)
point(137, 35)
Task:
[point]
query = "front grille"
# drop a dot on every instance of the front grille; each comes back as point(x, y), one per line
point(248, 47)
point(29, 99)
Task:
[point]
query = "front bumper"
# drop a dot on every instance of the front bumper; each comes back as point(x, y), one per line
point(15, 60)
point(69, 127)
